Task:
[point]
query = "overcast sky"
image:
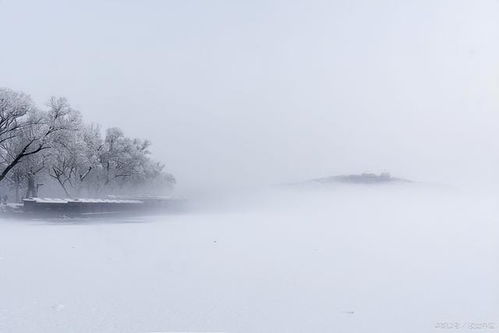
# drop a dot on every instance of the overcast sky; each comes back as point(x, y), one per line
point(257, 92)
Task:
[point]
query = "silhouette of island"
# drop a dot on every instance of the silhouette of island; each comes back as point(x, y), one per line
point(363, 178)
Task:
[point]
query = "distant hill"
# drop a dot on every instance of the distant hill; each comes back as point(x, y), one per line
point(364, 178)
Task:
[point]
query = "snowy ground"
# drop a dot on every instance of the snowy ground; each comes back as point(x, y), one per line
point(365, 259)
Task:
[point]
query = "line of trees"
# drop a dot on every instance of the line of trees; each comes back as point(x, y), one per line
point(56, 146)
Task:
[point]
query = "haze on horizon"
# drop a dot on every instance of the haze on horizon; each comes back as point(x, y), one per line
point(239, 93)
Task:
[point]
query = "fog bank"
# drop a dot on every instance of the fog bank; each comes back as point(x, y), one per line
point(376, 259)
point(235, 94)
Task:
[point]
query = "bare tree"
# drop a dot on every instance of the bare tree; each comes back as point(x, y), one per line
point(27, 131)
point(17, 116)
point(55, 142)
point(122, 158)
point(74, 157)
point(125, 164)
point(14, 106)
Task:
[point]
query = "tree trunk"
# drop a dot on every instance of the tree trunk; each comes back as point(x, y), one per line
point(18, 185)
point(31, 191)
point(63, 187)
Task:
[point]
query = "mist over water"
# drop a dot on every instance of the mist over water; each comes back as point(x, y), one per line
point(236, 94)
point(384, 258)
point(245, 103)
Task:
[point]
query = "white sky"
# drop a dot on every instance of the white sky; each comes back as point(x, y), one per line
point(237, 93)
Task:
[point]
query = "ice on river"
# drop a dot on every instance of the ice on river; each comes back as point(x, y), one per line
point(363, 259)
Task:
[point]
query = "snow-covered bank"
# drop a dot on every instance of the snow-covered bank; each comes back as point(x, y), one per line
point(383, 259)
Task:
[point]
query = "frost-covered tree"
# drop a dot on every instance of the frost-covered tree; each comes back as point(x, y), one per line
point(24, 176)
point(75, 157)
point(25, 130)
point(18, 119)
point(123, 160)
point(14, 107)
point(57, 144)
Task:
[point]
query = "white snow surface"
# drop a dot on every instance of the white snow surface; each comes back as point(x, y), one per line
point(82, 200)
point(353, 259)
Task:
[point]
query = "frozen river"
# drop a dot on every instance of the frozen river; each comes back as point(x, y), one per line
point(381, 259)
